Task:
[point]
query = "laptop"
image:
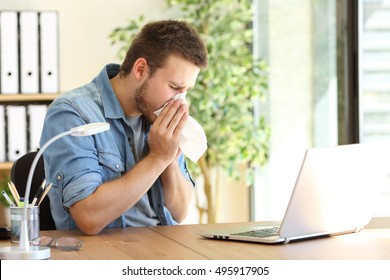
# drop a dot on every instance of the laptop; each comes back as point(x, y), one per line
point(333, 194)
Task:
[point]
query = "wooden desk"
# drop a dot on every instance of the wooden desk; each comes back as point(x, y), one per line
point(371, 243)
point(122, 244)
point(183, 242)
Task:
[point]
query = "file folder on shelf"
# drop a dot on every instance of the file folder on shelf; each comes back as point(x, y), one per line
point(9, 69)
point(48, 21)
point(29, 60)
point(2, 134)
point(16, 131)
point(36, 114)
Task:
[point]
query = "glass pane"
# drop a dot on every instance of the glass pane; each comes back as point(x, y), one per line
point(374, 49)
point(297, 38)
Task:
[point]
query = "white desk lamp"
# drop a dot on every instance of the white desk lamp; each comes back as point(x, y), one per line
point(24, 250)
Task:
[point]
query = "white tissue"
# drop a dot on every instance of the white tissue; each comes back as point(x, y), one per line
point(193, 142)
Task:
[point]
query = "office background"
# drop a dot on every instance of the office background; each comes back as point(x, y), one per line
point(301, 42)
point(84, 48)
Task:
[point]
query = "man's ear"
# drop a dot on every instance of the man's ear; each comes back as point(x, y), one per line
point(141, 70)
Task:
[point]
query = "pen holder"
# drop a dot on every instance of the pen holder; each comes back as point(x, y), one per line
point(16, 214)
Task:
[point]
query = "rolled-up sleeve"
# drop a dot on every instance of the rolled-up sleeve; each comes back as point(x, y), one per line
point(71, 162)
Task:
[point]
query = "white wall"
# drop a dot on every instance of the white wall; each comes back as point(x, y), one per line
point(84, 27)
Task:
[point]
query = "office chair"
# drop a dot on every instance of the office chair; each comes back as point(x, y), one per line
point(19, 175)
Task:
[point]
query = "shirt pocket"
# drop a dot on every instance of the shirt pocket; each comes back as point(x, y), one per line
point(112, 165)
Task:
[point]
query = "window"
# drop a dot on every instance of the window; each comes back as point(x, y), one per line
point(297, 38)
point(374, 82)
point(319, 53)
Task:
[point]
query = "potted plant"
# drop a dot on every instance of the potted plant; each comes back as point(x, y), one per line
point(226, 92)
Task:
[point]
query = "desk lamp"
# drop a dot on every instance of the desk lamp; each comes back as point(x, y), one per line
point(25, 250)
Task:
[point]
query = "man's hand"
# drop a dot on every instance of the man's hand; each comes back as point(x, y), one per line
point(165, 133)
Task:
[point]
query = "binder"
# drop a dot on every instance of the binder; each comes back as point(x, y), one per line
point(29, 62)
point(36, 116)
point(48, 21)
point(2, 134)
point(16, 132)
point(9, 68)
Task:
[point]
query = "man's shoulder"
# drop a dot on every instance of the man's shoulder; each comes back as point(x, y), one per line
point(84, 93)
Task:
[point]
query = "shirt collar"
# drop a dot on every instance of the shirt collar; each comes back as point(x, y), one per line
point(111, 105)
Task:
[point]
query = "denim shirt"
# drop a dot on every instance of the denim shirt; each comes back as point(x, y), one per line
point(77, 166)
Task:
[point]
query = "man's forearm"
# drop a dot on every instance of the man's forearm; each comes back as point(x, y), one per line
point(178, 191)
point(113, 198)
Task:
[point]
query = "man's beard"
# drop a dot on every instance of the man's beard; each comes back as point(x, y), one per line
point(142, 105)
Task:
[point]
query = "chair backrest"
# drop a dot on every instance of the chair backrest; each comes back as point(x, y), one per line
point(19, 173)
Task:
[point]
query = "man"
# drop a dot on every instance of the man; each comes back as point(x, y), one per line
point(134, 174)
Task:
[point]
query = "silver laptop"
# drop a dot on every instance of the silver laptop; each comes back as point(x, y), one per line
point(334, 194)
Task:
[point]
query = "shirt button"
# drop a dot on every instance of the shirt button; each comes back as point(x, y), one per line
point(58, 177)
point(117, 166)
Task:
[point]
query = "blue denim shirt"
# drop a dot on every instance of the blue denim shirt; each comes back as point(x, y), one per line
point(77, 166)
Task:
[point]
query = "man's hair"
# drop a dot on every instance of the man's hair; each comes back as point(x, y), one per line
point(158, 40)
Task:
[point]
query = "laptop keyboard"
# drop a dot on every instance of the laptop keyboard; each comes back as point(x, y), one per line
point(264, 232)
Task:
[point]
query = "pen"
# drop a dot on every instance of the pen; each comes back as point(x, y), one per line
point(21, 202)
point(8, 199)
point(38, 194)
point(15, 189)
point(14, 192)
point(47, 189)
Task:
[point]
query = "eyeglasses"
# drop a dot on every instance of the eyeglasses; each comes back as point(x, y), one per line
point(62, 243)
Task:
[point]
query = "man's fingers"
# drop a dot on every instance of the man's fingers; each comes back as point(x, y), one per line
point(172, 115)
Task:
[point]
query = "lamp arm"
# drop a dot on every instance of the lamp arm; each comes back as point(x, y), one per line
point(24, 242)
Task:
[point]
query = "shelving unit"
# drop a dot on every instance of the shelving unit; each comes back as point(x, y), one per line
point(22, 99)
point(5, 167)
point(6, 99)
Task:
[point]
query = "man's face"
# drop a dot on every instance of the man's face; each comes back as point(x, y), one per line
point(176, 76)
